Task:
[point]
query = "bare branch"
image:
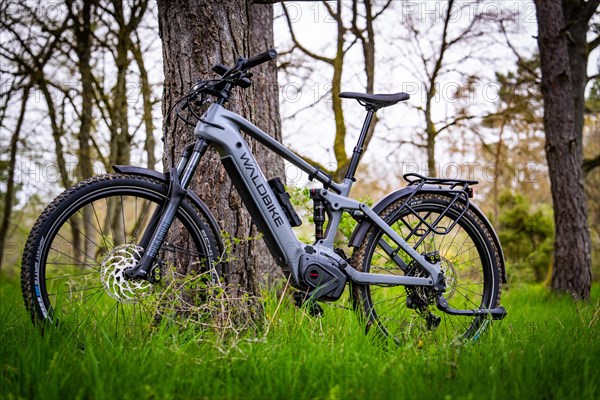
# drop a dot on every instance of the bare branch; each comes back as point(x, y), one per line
point(297, 43)
point(455, 121)
point(593, 43)
point(590, 8)
point(295, 114)
point(382, 10)
point(590, 163)
point(314, 163)
point(337, 16)
point(520, 60)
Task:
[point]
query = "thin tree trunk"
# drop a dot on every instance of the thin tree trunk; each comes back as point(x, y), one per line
point(197, 35)
point(84, 52)
point(83, 33)
point(149, 141)
point(10, 179)
point(572, 250)
point(339, 143)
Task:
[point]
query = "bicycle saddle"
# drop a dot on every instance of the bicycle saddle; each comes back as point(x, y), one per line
point(375, 101)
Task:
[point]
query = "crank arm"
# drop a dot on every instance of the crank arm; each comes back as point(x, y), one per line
point(496, 313)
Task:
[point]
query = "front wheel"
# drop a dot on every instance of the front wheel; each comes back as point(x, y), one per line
point(78, 250)
point(469, 260)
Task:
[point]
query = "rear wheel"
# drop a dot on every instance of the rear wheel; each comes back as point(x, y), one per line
point(469, 260)
point(78, 250)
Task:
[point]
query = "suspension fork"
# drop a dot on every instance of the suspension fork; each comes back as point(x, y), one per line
point(154, 236)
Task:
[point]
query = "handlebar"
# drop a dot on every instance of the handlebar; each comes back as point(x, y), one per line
point(237, 75)
point(220, 88)
point(268, 55)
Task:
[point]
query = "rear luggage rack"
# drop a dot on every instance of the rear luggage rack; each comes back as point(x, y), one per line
point(458, 188)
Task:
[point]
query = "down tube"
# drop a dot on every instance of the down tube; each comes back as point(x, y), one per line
point(253, 188)
point(265, 210)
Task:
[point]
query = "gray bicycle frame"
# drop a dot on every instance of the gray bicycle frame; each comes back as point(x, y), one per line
point(222, 129)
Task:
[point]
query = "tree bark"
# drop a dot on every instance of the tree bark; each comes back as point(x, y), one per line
point(572, 250)
point(196, 35)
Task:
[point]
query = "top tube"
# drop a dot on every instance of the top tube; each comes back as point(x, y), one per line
point(217, 112)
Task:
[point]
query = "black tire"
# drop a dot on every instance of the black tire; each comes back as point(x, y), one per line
point(470, 261)
point(73, 260)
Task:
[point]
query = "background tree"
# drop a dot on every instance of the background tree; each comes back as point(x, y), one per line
point(66, 54)
point(358, 28)
point(562, 40)
point(196, 35)
point(526, 234)
point(435, 49)
point(591, 147)
point(512, 139)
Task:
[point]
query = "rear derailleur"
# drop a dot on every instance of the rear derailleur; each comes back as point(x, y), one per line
point(420, 298)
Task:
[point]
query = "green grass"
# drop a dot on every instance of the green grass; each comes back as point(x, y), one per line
point(548, 347)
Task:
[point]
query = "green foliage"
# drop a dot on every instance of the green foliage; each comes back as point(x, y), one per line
point(592, 103)
point(546, 348)
point(520, 97)
point(527, 237)
point(300, 198)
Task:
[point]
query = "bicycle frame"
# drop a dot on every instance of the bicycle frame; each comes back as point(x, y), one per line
point(222, 129)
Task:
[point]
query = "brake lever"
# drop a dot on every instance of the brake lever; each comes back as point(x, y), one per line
point(220, 69)
point(244, 82)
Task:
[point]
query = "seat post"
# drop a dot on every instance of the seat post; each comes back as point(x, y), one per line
point(358, 149)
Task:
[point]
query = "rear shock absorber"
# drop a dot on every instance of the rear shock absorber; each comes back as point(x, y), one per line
point(318, 213)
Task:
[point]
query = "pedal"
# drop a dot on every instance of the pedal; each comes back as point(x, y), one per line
point(303, 300)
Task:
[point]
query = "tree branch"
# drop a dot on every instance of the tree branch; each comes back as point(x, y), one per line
point(455, 121)
point(593, 43)
point(297, 43)
point(590, 8)
point(314, 163)
point(520, 62)
point(589, 164)
point(382, 10)
point(337, 16)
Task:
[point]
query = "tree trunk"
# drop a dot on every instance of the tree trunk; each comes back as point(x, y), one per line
point(576, 40)
point(10, 178)
point(572, 252)
point(197, 35)
point(149, 142)
point(83, 34)
point(83, 48)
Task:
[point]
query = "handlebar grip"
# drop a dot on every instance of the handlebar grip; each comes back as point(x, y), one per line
point(261, 58)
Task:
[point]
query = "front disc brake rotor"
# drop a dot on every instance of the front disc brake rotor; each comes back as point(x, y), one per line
point(112, 275)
